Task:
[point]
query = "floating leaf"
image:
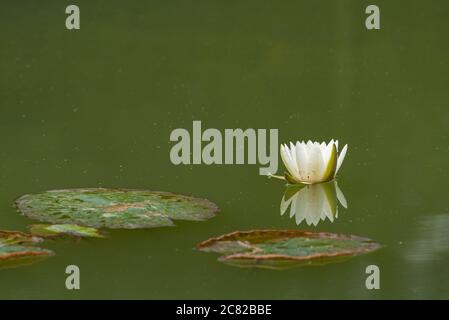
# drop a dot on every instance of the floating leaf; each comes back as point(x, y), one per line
point(114, 208)
point(9, 238)
point(55, 230)
point(15, 249)
point(278, 249)
point(16, 256)
point(9, 252)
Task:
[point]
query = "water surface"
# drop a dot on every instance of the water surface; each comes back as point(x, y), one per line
point(95, 107)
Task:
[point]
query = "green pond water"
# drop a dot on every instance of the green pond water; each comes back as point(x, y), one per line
point(95, 108)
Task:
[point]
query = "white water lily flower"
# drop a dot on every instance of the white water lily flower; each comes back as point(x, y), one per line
point(312, 162)
point(313, 203)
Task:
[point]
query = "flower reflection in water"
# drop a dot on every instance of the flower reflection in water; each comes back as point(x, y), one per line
point(313, 203)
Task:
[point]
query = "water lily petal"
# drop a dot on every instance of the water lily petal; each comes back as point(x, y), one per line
point(331, 164)
point(316, 166)
point(341, 157)
point(328, 150)
point(323, 148)
point(302, 159)
point(292, 152)
point(287, 159)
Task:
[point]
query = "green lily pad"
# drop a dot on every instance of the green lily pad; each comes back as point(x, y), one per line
point(114, 208)
point(55, 230)
point(16, 249)
point(279, 249)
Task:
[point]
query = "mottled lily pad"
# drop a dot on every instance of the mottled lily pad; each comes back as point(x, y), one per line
point(279, 249)
point(56, 230)
point(10, 238)
point(16, 249)
point(114, 208)
point(10, 252)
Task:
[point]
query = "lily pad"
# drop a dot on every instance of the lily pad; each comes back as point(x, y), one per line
point(55, 230)
point(9, 252)
point(16, 249)
point(114, 208)
point(279, 249)
point(10, 238)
